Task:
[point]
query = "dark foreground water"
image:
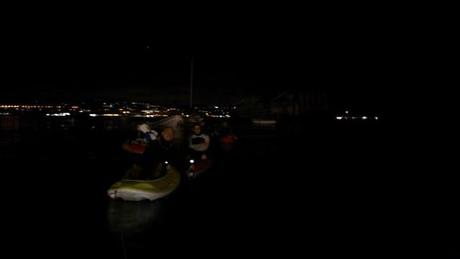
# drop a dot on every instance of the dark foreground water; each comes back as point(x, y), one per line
point(323, 190)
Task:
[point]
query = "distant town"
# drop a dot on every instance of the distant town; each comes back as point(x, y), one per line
point(115, 114)
point(115, 109)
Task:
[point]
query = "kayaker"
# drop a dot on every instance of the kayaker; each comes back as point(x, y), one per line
point(198, 143)
point(160, 150)
point(147, 134)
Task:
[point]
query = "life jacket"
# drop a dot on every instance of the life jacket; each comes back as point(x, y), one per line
point(151, 135)
point(196, 140)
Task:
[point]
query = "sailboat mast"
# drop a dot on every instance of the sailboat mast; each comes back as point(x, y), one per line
point(191, 83)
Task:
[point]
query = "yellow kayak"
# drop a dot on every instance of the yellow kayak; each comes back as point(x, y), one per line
point(137, 190)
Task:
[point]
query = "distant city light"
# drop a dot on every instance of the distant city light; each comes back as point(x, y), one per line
point(339, 117)
point(376, 118)
point(364, 117)
point(192, 161)
point(108, 109)
point(264, 122)
point(346, 112)
point(63, 114)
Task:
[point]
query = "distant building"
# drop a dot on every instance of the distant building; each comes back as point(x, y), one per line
point(299, 103)
point(285, 104)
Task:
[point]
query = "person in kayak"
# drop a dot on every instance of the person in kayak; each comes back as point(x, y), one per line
point(161, 150)
point(147, 135)
point(226, 135)
point(198, 143)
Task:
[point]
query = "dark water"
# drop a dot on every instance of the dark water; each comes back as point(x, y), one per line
point(318, 189)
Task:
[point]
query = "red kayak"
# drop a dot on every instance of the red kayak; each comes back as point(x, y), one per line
point(199, 167)
point(228, 139)
point(134, 148)
point(227, 142)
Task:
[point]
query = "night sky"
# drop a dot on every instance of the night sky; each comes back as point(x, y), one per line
point(355, 57)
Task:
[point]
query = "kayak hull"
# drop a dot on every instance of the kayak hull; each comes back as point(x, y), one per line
point(138, 190)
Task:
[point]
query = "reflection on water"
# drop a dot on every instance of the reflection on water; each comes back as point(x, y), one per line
point(132, 217)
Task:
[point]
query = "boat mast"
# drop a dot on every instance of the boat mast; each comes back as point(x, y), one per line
point(191, 83)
